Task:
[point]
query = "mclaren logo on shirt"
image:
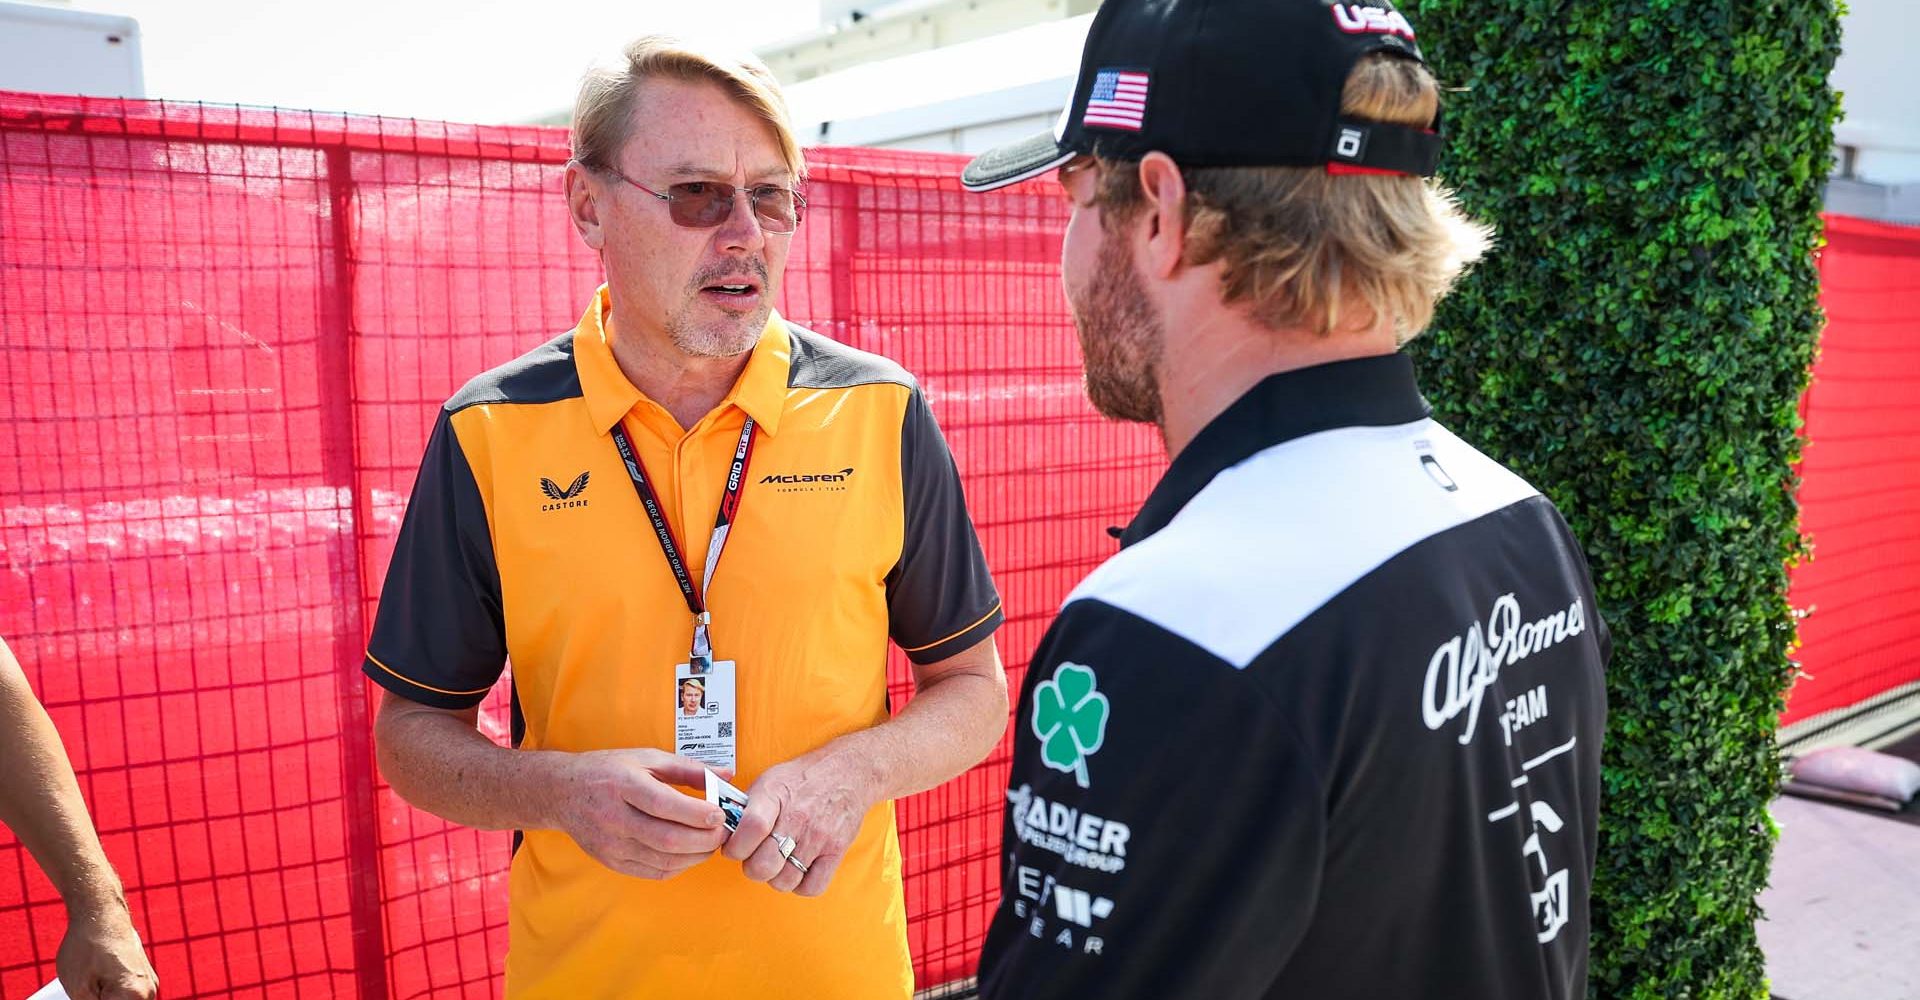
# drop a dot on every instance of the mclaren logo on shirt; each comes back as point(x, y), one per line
point(811, 482)
point(569, 497)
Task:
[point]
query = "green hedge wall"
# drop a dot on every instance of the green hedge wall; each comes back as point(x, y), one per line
point(1637, 346)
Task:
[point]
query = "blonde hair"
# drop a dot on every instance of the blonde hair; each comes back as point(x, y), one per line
point(1295, 242)
point(603, 112)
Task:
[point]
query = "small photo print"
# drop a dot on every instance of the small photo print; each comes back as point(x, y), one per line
point(734, 809)
point(732, 801)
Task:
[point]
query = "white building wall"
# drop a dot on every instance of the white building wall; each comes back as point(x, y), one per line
point(948, 76)
point(886, 30)
point(56, 50)
point(1880, 93)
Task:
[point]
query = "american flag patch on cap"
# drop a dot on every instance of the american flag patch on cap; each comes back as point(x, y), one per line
point(1118, 100)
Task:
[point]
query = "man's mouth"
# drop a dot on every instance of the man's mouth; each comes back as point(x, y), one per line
point(733, 288)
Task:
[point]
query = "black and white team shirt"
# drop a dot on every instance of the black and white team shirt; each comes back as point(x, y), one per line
point(1327, 726)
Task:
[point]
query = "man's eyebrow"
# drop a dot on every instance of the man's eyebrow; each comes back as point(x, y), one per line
point(688, 168)
point(770, 175)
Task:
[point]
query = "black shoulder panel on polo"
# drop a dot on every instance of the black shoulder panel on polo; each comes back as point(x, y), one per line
point(439, 635)
point(545, 374)
point(823, 363)
point(941, 599)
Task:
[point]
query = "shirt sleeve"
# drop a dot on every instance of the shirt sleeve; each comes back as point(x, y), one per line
point(940, 598)
point(439, 636)
point(1165, 832)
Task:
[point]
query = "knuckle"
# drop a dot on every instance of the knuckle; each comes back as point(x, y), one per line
point(643, 793)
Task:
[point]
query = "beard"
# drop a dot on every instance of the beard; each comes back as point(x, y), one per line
point(733, 331)
point(1121, 337)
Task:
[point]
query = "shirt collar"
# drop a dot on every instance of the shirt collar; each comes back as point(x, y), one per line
point(1364, 392)
point(761, 390)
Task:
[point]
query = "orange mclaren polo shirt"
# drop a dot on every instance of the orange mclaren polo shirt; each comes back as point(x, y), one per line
point(851, 529)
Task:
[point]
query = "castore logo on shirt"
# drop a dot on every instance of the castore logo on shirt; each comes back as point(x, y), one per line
point(569, 497)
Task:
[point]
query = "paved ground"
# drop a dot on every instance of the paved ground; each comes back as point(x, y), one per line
point(1843, 912)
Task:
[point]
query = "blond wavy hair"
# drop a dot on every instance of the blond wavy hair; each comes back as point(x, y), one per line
point(603, 111)
point(1296, 243)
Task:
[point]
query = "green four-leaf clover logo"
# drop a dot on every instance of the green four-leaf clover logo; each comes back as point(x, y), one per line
point(1070, 718)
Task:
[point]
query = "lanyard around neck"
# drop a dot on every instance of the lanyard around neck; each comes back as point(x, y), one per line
point(716, 543)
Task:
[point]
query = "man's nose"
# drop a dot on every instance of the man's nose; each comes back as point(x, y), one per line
point(741, 230)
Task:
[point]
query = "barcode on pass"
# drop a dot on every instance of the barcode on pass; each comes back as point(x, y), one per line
point(726, 730)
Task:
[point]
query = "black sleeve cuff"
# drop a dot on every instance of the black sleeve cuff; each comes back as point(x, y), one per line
point(959, 641)
point(413, 690)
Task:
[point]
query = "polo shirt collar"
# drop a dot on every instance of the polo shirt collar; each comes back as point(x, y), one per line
point(1363, 392)
point(761, 390)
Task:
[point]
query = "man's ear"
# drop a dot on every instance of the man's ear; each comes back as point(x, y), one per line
point(1166, 223)
point(583, 203)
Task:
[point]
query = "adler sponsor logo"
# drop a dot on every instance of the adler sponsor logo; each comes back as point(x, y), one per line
point(1463, 667)
point(1079, 838)
point(1357, 19)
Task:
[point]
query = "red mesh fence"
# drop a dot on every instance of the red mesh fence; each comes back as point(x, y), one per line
point(1860, 497)
point(223, 335)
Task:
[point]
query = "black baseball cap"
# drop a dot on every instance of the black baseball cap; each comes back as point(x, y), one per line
point(1215, 83)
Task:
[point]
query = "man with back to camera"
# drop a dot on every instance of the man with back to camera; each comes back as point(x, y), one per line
point(1329, 724)
point(682, 410)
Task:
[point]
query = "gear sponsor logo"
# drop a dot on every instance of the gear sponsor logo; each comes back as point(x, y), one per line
point(1034, 890)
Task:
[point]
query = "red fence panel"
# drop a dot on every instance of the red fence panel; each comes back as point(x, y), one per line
point(1860, 495)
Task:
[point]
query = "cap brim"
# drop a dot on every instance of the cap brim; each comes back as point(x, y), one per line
point(1015, 162)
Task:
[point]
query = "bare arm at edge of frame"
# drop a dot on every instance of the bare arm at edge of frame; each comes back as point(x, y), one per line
point(100, 957)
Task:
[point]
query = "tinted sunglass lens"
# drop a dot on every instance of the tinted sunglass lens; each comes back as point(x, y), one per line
point(777, 208)
point(700, 204)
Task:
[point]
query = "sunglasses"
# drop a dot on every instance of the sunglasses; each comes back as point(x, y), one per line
point(706, 204)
